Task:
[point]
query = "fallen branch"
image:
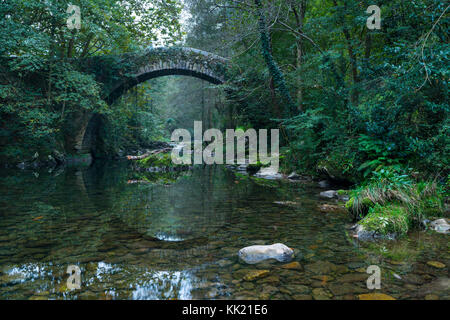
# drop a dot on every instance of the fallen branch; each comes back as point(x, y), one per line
point(148, 154)
point(138, 181)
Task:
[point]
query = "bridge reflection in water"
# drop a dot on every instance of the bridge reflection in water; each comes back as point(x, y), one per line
point(153, 236)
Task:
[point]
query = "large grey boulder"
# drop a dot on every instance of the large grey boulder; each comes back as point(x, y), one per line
point(255, 254)
point(441, 226)
point(367, 235)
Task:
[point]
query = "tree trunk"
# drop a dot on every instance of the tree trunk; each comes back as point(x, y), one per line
point(299, 18)
point(274, 70)
point(275, 104)
point(353, 61)
point(70, 47)
point(368, 47)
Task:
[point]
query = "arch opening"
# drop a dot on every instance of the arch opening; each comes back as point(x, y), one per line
point(126, 85)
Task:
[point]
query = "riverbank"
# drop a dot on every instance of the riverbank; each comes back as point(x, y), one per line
point(387, 205)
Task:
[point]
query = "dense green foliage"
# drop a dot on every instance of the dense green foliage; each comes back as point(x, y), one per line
point(371, 98)
point(43, 94)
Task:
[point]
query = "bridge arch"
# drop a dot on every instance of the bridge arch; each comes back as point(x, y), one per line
point(163, 61)
point(142, 66)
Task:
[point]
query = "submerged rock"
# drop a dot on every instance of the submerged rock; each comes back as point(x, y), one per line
point(256, 274)
point(340, 289)
point(331, 208)
point(321, 267)
point(437, 287)
point(436, 264)
point(352, 277)
point(375, 296)
point(321, 294)
point(255, 254)
point(224, 263)
point(292, 266)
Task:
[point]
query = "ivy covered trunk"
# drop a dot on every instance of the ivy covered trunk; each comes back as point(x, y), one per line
point(274, 70)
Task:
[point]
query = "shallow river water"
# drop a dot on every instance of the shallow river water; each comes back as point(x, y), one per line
point(137, 240)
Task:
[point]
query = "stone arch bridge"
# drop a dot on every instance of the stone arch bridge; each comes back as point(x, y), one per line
point(120, 73)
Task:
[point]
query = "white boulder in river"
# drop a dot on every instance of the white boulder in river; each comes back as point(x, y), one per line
point(441, 226)
point(255, 254)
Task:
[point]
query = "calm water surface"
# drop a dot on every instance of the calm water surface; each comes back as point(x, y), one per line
point(138, 240)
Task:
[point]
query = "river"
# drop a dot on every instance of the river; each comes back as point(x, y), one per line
point(179, 238)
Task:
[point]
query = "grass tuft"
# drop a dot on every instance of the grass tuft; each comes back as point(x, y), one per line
point(391, 202)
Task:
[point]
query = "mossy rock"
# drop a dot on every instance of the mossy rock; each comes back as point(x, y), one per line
point(357, 209)
point(388, 219)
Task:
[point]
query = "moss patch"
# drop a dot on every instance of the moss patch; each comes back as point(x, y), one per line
point(387, 219)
